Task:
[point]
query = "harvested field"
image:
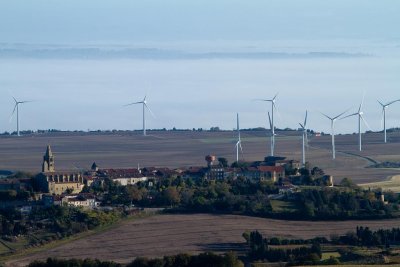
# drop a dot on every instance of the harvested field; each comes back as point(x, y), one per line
point(187, 148)
point(171, 234)
point(392, 184)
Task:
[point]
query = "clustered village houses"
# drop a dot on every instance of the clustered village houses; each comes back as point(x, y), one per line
point(54, 187)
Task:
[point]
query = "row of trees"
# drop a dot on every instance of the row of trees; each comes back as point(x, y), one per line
point(364, 236)
point(331, 203)
point(181, 260)
point(259, 249)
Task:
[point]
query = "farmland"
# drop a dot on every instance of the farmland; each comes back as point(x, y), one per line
point(188, 148)
point(172, 234)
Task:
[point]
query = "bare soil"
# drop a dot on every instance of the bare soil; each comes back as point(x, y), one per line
point(171, 234)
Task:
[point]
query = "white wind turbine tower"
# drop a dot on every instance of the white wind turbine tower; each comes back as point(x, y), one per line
point(144, 103)
point(239, 141)
point(304, 128)
point(384, 107)
point(16, 108)
point(272, 135)
point(360, 116)
point(271, 121)
point(333, 120)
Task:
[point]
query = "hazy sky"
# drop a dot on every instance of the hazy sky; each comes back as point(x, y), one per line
point(91, 21)
point(79, 93)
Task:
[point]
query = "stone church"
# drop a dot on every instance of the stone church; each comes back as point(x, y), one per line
point(56, 182)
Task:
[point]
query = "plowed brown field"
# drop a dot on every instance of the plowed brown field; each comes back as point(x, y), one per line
point(171, 234)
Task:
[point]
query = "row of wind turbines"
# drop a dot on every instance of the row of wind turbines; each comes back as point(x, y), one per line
point(271, 120)
point(304, 128)
point(143, 102)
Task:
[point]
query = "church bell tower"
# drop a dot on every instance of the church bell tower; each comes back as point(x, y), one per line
point(48, 161)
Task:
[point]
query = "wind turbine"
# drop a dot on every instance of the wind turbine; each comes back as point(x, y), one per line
point(303, 127)
point(333, 120)
point(144, 103)
point(384, 107)
point(271, 121)
point(239, 141)
point(16, 108)
point(360, 116)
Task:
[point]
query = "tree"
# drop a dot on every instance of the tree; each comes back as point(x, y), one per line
point(135, 193)
point(317, 172)
point(171, 196)
point(223, 162)
point(347, 182)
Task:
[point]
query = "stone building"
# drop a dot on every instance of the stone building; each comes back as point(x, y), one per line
point(56, 182)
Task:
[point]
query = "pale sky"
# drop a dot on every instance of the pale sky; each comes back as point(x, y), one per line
point(119, 21)
point(88, 93)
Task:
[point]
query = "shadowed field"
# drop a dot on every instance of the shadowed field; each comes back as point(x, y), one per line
point(182, 149)
point(171, 234)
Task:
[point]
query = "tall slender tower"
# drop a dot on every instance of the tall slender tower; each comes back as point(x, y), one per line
point(48, 161)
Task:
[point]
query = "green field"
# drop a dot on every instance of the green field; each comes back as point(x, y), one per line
point(283, 206)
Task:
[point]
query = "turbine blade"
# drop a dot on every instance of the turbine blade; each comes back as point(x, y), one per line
point(342, 114)
point(14, 99)
point(365, 122)
point(351, 115)
point(134, 103)
point(275, 96)
point(237, 122)
point(388, 104)
point(270, 122)
point(151, 112)
point(12, 114)
point(265, 100)
point(381, 103)
point(326, 116)
point(362, 103)
point(305, 120)
point(241, 148)
point(301, 125)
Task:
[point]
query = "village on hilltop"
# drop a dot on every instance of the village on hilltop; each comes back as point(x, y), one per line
point(52, 187)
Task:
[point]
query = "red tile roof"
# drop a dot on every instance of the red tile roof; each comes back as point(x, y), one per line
point(270, 168)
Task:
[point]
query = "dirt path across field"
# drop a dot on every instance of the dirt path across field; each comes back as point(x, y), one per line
point(171, 234)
